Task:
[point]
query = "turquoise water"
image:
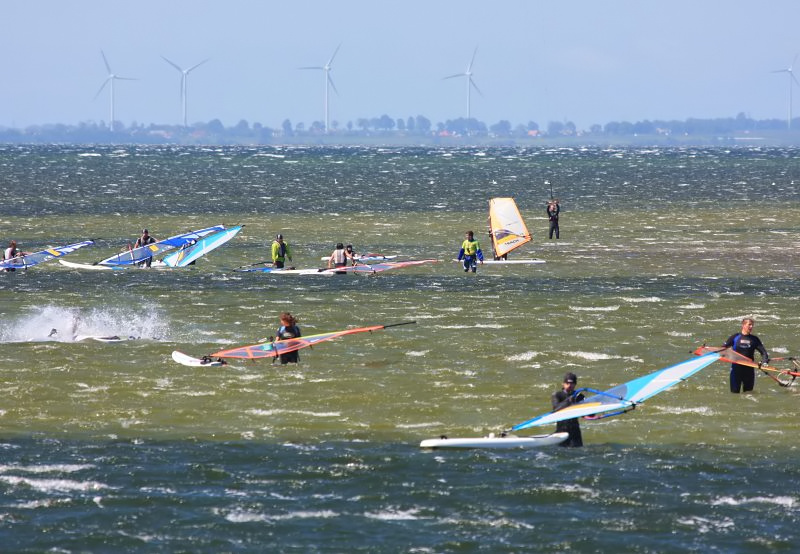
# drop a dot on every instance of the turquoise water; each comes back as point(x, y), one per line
point(114, 447)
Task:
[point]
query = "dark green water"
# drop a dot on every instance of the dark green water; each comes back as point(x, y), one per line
point(113, 447)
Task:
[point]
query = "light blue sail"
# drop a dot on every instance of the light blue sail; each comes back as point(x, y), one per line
point(142, 253)
point(626, 396)
point(190, 252)
point(28, 260)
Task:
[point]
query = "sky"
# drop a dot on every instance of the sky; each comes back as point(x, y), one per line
point(581, 61)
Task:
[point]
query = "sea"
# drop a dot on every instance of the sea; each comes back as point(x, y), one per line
point(113, 447)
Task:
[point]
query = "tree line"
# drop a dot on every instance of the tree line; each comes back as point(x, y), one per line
point(411, 129)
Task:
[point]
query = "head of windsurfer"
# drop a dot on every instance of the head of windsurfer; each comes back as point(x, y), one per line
point(279, 237)
point(570, 380)
point(747, 325)
point(349, 248)
point(470, 235)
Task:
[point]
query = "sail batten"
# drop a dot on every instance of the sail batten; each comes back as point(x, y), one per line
point(506, 226)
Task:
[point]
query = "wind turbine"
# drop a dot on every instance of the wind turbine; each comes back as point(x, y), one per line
point(470, 83)
point(326, 70)
point(110, 79)
point(184, 75)
point(792, 81)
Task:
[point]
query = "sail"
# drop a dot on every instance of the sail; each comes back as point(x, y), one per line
point(384, 266)
point(273, 349)
point(731, 356)
point(626, 396)
point(190, 252)
point(506, 226)
point(23, 262)
point(140, 254)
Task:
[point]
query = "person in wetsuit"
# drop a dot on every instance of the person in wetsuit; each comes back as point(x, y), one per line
point(560, 400)
point(553, 209)
point(288, 330)
point(470, 253)
point(743, 378)
point(280, 252)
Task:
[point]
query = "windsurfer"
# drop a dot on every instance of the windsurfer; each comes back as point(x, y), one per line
point(743, 378)
point(567, 397)
point(350, 253)
point(280, 252)
point(339, 257)
point(144, 240)
point(11, 252)
point(553, 209)
point(288, 330)
point(470, 253)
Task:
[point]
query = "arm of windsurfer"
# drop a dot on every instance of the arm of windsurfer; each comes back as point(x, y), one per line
point(562, 400)
point(461, 254)
point(479, 253)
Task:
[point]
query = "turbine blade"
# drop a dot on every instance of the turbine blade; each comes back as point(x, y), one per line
point(105, 61)
point(197, 65)
point(795, 79)
point(330, 61)
point(456, 75)
point(469, 67)
point(471, 82)
point(330, 81)
point(173, 64)
point(311, 67)
point(102, 87)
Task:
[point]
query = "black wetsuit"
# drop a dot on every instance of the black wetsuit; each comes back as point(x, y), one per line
point(744, 377)
point(552, 215)
point(560, 400)
point(285, 333)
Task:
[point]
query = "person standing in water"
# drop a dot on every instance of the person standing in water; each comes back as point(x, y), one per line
point(743, 378)
point(553, 209)
point(288, 330)
point(560, 400)
point(280, 252)
point(470, 253)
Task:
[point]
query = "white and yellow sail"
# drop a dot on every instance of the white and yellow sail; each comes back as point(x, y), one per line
point(506, 226)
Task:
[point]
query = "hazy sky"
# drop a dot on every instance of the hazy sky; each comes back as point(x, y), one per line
point(585, 61)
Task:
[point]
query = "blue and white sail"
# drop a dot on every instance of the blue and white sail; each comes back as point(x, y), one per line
point(28, 260)
point(142, 253)
point(190, 252)
point(626, 396)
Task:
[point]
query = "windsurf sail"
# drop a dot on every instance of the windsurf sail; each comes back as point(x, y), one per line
point(384, 266)
point(273, 349)
point(627, 396)
point(507, 229)
point(190, 252)
point(140, 254)
point(28, 260)
point(729, 355)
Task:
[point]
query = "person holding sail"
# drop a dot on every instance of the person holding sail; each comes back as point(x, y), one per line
point(743, 378)
point(288, 330)
point(470, 253)
point(553, 209)
point(560, 400)
point(144, 240)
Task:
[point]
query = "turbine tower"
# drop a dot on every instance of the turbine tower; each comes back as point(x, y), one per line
point(470, 83)
point(792, 81)
point(110, 79)
point(184, 74)
point(326, 71)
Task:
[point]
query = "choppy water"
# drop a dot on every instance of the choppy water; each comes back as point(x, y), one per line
point(113, 447)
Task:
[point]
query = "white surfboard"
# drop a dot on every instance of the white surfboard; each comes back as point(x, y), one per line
point(185, 359)
point(75, 265)
point(496, 442)
point(367, 258)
